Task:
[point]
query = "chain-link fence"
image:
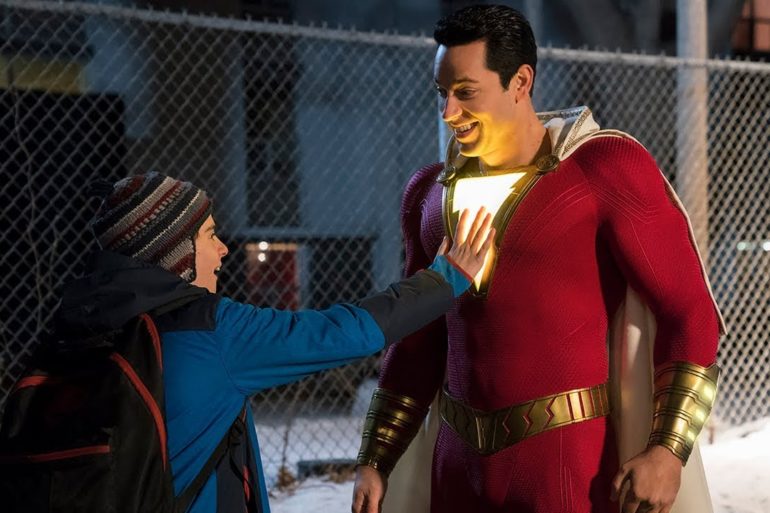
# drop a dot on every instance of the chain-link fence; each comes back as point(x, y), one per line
point(305, 138)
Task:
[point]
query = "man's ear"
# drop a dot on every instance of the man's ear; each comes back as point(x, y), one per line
point(522, 81)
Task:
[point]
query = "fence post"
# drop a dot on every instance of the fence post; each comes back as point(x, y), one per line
point(692, 118)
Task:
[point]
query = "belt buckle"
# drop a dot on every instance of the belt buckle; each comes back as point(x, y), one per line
point(485, 435)
point(479, 433)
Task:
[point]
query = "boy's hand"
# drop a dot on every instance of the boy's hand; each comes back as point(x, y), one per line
point(471, 242)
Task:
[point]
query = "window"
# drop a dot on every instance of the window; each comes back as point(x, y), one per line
point(751, 36)
point(273, 274)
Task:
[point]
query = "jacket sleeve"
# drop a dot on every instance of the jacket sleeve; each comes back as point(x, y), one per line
point(650, 240)
point(266, 347)
point(411, 303)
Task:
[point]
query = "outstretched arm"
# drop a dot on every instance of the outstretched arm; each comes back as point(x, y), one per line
point(265, 347)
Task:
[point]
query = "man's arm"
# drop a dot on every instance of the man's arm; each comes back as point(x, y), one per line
point(649, 238)
point(411, 374)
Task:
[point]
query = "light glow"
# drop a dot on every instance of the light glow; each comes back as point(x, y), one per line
point(489, 192)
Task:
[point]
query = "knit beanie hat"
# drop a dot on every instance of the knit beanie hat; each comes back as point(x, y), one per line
point(153, 218)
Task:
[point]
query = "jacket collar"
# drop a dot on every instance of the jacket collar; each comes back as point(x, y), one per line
point(116, 289)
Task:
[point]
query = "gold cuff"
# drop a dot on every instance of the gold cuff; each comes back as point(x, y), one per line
point(684, 395)
point(391, 423)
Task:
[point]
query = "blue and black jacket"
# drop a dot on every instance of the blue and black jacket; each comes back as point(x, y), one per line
point(218, 352)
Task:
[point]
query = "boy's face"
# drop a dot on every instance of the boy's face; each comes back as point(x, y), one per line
point(480, 112)
point(209, 251)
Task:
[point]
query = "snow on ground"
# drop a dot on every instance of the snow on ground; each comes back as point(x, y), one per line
point(316, 439)
point(737, 467)
point(314, 495)
point(320, 438)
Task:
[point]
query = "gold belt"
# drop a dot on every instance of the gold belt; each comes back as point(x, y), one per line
point(489, 432)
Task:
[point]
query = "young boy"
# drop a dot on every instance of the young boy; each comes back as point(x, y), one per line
point(161, 255)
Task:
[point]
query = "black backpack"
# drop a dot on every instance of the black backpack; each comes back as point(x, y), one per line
point(84, 429)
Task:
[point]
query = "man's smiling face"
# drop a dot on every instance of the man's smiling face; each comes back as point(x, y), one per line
point(481, 113)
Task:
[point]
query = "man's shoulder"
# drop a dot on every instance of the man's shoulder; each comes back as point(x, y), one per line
point(422, 179)
point(618, 163)
point(614, 152)
point(608, 143)
point(425, 175)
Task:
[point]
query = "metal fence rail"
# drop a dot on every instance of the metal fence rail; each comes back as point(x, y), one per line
point(305, 137)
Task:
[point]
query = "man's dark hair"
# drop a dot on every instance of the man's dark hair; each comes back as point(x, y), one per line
point(506, 32)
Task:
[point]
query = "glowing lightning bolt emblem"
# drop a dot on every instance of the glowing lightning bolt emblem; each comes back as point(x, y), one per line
point(487, 191)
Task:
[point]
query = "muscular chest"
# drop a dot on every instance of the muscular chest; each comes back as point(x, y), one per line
point(553, 219)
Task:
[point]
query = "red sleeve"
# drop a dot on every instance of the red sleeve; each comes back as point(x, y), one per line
point(650, 240)
point(415, 365)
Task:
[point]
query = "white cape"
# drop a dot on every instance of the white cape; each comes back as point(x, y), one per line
point(631, 340)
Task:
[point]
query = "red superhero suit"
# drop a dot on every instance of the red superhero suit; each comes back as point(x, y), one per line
point(602, 222)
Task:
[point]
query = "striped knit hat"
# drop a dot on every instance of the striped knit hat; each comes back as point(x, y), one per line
point(153, 218)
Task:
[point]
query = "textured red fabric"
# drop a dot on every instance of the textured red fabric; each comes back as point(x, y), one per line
point(601, 222)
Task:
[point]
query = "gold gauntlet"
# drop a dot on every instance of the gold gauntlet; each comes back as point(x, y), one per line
point(684, 395)
point(391, 423)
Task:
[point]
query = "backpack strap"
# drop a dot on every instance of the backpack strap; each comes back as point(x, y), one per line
point(237, 488)
point(186, 498)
